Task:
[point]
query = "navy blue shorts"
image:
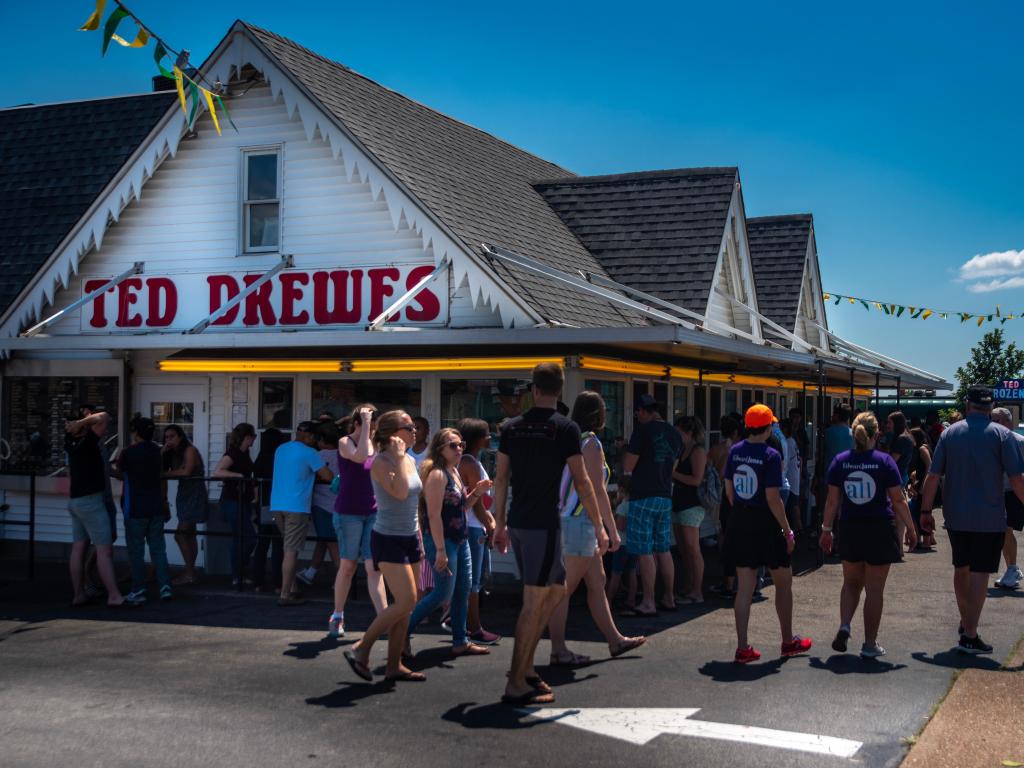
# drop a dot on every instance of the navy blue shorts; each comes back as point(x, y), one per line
point(403, 550)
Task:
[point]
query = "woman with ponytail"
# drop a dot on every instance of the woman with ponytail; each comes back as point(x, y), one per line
point(865, 488)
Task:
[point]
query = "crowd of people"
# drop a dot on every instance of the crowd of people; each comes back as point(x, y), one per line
point(422, 514)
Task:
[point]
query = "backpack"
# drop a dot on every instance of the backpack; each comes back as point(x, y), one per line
point(709, 492)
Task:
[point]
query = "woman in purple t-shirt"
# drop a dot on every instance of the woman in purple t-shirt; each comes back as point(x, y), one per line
point(355, 511)
point(866, 488)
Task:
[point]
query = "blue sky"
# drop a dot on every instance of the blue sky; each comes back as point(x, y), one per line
point(898, 125)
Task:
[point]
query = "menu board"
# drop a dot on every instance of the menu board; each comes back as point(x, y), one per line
point(35, 409)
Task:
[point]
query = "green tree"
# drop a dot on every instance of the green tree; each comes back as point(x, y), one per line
point(992, 360)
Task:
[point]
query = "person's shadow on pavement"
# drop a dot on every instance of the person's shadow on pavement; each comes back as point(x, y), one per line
point(348, 695)
point(312, 649)
point(849, 664)
point(731, 672)
point(497, 715)
point(998, 593)
point(956, 660)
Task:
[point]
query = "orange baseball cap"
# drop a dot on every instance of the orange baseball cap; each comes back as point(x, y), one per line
point(758, 416)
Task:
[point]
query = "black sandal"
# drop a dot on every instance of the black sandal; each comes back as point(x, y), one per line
point(358, 667)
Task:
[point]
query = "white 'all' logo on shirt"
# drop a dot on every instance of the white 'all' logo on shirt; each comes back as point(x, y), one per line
point(744, 482)
point(860, 487)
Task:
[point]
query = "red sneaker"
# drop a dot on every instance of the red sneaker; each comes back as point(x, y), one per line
point(747, 655)
point(796, 646)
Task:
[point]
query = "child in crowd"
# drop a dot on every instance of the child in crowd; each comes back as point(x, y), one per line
point(622, 561)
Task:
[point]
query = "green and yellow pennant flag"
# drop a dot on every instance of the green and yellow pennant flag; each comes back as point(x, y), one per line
point(921, 313)
point(201, 97)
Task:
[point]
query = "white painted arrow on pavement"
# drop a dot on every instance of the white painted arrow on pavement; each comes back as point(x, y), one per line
point(639, 726)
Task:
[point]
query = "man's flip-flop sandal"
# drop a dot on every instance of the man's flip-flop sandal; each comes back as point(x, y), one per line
point(358, 667)
point(528, 699)
point(631, 644)
point(536, 682)
point(406, 677)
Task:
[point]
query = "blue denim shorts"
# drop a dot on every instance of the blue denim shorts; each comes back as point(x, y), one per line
point(353, 534)
point(578, 536)
point(89, 520)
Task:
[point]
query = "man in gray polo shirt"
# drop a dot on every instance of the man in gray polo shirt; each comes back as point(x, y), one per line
point(972, 457)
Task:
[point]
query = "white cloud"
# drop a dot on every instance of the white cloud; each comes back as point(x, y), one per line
point(998, 284)
point(995, 264)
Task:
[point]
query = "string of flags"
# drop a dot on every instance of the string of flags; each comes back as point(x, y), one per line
point(922, 313)
point(199, 95)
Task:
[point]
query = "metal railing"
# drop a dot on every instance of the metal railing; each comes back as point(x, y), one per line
point(247, 528)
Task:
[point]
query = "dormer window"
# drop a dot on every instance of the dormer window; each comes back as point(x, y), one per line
point(261, 199)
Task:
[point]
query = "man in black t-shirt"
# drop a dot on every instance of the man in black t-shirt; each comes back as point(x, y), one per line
point(88, 509)
point(534, 450)
point(653, 450)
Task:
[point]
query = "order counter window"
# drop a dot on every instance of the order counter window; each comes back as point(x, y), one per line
point(339, 397)
point(613, 437)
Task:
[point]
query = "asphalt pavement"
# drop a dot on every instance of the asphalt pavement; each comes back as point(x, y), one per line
point(220, 678)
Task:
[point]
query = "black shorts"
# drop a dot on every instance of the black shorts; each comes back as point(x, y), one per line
point(1014, 512)
point(403, 550)
point(870, 540)
point(979, 551)
point(538, 556)
point(755, 543)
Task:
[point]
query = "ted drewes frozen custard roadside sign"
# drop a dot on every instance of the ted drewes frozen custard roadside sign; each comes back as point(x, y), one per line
point(292, 298)
point(1009, 390)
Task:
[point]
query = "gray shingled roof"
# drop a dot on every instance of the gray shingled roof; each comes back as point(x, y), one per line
point(778, 251)
point(54, 161)
point(658, 231)
point(477, 185)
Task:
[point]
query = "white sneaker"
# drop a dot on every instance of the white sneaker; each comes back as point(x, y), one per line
point(1011, 579)
point(336, 626)
point(871, 651)
point(306, 576)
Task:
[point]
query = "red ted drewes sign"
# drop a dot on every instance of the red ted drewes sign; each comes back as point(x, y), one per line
point(292, 298)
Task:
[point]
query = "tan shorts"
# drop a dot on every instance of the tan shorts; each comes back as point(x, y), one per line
point(293, 527)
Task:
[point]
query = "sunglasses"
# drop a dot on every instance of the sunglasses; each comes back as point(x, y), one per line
point(408, 427)
point(455, 445)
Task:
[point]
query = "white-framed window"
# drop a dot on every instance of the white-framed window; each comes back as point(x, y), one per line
point(261, 199)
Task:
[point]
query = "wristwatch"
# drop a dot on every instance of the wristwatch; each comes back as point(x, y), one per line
point(826, 529)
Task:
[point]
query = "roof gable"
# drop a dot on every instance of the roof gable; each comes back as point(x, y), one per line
point(778, 249)
point(476, 185)
point(786, 273)
point(55, 160)
point(658, 231)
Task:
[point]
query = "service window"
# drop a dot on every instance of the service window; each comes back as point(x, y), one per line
point(772, 402)
point(748, 399)
point(261, 200)
point(657, 389)
point(731, 402)
point(715, 410)
point(758, 395)
point(613, 437)
point(680, 401)
point(277, 404)
point(493, 400)
point(339, 397)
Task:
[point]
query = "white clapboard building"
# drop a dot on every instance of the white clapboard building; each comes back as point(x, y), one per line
point(347, 244)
